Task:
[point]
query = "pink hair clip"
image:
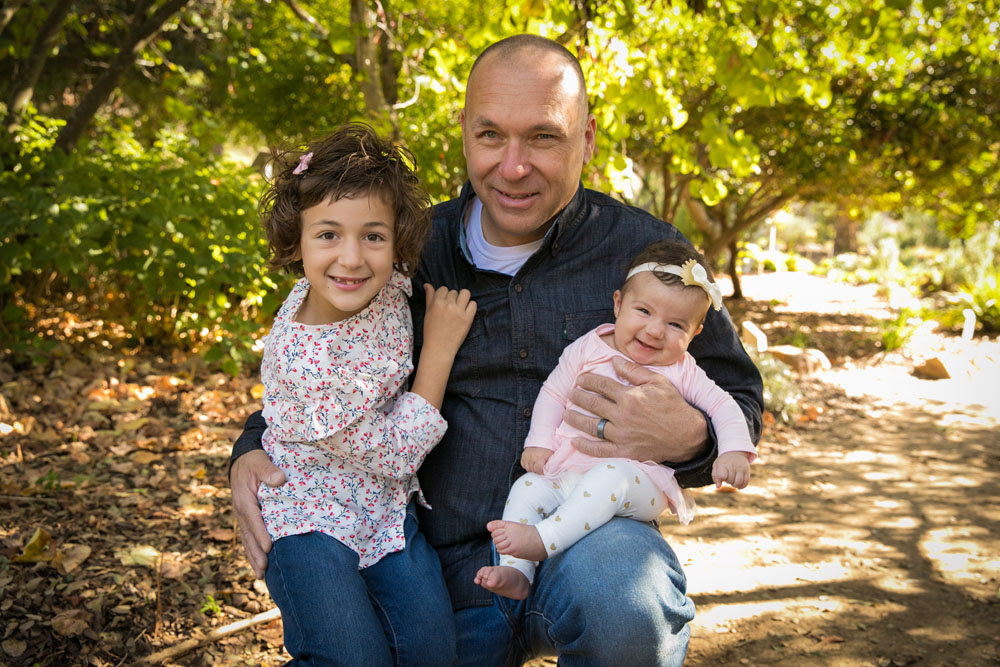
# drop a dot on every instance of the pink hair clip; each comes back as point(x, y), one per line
point(303, 164)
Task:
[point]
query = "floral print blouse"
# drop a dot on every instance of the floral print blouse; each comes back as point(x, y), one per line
point(339, 426)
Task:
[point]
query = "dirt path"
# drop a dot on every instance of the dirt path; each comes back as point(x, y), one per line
point(871, 533)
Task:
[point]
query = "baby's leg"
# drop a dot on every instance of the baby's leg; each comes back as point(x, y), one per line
point(505, 580)
point(515, 537)
point(612, 488)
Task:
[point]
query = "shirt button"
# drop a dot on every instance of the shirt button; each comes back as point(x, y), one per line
point(519, 288)
point(527, 413)
point(523, 353)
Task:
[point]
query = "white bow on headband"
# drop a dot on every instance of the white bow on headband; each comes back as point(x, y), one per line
point(690, 273)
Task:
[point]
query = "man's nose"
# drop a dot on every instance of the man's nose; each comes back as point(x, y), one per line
point(515, 163)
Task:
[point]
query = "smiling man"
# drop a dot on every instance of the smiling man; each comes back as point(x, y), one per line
point(542, 255)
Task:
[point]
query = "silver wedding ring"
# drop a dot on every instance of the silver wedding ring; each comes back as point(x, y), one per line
point(600, 428)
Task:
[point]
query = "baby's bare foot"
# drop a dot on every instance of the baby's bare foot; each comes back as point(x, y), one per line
point(517, 539)
point(505, 581)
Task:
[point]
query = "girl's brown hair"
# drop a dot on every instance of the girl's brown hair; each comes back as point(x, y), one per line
point(352, 162)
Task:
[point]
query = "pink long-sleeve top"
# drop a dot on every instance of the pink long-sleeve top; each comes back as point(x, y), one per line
point(590, 354)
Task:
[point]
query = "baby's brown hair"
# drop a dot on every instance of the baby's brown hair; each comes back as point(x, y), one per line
point(670, 251)
point(352, 162)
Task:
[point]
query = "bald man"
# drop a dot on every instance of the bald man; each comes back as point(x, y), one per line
point(541, 255)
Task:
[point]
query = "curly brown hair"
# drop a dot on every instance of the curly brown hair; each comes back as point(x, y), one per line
point(352, 162)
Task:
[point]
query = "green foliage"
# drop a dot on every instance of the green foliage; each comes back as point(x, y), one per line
point(782, 394)
point(210, 607)
point(164, 238)
point(895, 332)
point(983, 298)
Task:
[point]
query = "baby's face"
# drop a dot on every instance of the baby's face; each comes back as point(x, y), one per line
point(654, 322)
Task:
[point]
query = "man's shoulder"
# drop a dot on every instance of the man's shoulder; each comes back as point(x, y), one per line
point(608, 207)
point(446, 211)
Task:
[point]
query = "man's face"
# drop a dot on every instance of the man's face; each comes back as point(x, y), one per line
point(526, 137)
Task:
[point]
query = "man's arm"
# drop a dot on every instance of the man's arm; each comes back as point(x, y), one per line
point(248, 467)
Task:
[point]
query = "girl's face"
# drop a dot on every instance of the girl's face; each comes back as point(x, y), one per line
point(347, 254)
point(654, 322)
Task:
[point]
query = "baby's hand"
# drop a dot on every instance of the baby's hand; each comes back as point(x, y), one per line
point(448, 317)
point(732, 468)
point(533, 459)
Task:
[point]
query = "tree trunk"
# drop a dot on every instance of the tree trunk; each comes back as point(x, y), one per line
point(140, 34)
point(368, 63)
point(31, 68)
point(734, 270)
point(7, 12)
point(845, 234)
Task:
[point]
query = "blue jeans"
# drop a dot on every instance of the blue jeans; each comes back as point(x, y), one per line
point(395, 612)
point(616, 597)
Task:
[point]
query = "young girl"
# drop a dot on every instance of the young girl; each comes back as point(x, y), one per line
point(355, 582)
point(565, 494)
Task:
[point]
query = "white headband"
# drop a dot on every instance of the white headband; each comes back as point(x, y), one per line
point(691, 273)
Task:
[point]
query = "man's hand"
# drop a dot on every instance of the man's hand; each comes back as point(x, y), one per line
point(647, 419)
point(533, 459)
point(247, 473)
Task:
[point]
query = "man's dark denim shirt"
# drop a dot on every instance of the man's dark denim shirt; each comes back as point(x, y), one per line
point(522, 324)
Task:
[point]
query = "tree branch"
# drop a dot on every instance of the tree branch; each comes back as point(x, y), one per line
point(31, 69)
point(140, 34)
point(188, 645)
point(321, 31)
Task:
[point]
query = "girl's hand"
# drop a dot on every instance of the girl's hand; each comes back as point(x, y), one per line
point(448, 318)
point(533, 459)
point(733, 468)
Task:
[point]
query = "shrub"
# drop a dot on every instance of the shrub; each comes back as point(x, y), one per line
point(162, 239)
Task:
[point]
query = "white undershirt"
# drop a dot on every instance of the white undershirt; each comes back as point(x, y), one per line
point(503, 259)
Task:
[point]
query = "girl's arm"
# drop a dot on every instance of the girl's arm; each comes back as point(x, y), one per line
point(447, 320)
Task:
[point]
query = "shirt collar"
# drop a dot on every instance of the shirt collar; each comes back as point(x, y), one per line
point(565, 221)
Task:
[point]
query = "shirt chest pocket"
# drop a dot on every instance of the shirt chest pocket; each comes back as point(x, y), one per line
point(575, 325)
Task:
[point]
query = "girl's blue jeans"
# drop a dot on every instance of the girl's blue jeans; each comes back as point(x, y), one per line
point(616, 597)
point(395, 612)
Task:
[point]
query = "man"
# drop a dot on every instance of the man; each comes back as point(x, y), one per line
point(540, 255)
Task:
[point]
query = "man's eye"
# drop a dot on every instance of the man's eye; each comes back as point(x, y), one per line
point(488, 134)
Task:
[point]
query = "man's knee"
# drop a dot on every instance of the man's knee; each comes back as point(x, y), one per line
point(620, 591)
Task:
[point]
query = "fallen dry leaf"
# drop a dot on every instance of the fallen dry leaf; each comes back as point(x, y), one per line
point(220, 534)
point(70, 557)
point(140, 554)
point(144, 457)
point(831, 639)
point(72, 622)
point(37, 549)
point(257, 391)
point(15, 648)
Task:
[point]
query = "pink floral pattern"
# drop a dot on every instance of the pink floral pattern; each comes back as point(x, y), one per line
point(339, 426)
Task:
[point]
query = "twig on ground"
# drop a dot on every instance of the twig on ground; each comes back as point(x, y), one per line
point(30, 499)
point(191, 644)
